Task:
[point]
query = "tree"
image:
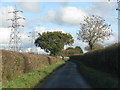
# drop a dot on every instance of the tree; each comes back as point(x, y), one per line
point(79, 49)
point(96, 46)
point(70, 51)
point(53, 42)
point(69, 48)
point(93, 30)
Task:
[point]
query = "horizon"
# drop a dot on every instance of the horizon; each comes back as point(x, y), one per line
point(57, 16)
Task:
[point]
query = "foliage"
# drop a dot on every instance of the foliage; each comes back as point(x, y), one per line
point(15, 64)
point(53, 42)
point(79, 49)
point(105, 60)
point(95, 46)
point(31, 79)
point(69, 48)
point(93, 30)
point(96, 78)
point(72, 51)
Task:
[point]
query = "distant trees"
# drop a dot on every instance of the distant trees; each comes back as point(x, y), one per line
point(54, 42)
point(72, 51)
point(94, 30)
point(96, 46)
point(79, 49)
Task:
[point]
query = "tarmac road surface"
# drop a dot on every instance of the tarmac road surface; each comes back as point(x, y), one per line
point(65, 77)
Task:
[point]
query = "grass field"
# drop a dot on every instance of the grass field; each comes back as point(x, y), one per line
point(96, 78)
point(30, 80)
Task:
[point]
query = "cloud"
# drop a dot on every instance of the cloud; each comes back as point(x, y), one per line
point(5, 15)
point(39, 29)
point(72, 15)
point(27, 43)
point(81, 44)
point(36, 50)
point(53, 30)
point(50, 16)
point(29, 6)
point(104, 9)
point(4, 37)
point(66, 15)
point(112, 39)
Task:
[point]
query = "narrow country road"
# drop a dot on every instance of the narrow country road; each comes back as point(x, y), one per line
point(65, 77)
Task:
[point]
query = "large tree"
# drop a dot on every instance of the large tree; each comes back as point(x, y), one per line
point(53, 42)
point(94, 30)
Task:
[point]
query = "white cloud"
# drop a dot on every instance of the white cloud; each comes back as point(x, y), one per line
point(72, 15)
point(27, 44)
point(4, 35)
point(81, 44)
point(36, 50)
point(39, 29)
point(104, 9)
point(50, 17)
point(66, 15)
point(112, 39)
point(5, 15)
point(29, 6)
point(53, 30)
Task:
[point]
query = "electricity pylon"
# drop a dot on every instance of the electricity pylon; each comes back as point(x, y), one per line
point(15, 37)
point(33, 36)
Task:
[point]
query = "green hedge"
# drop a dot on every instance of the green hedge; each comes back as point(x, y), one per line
point(104, 59)
point(31, 79)
point(96, 78)
point(15, 64)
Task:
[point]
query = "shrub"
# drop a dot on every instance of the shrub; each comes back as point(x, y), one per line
point(103, 59)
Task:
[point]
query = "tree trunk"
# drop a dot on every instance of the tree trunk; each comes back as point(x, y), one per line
point(90, 45)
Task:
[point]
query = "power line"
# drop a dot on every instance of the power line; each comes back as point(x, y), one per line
point(32, 36)
point(15, 37)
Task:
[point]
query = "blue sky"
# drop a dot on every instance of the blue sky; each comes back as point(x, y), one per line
point(62, 16)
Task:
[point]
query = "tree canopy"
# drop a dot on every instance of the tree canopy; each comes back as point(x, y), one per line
point(93, 30)
point(53, 42)
point(79, 49)
point(72, 51)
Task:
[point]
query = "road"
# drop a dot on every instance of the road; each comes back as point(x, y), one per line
point(65, 77)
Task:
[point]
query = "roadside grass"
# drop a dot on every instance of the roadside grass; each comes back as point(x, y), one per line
point(30, 80)
point(0, 85)
point(96, 78)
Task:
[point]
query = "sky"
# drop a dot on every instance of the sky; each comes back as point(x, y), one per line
point(55, 16)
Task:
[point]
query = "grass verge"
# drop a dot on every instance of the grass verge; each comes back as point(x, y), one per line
point(96, 78)
point(30, 80)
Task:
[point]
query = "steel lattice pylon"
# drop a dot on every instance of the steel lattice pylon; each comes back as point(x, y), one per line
point(15, 37)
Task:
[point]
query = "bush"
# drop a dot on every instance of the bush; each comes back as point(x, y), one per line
point(103, 59)
point(15, 64)
point(96, 78)
point(31, 79)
